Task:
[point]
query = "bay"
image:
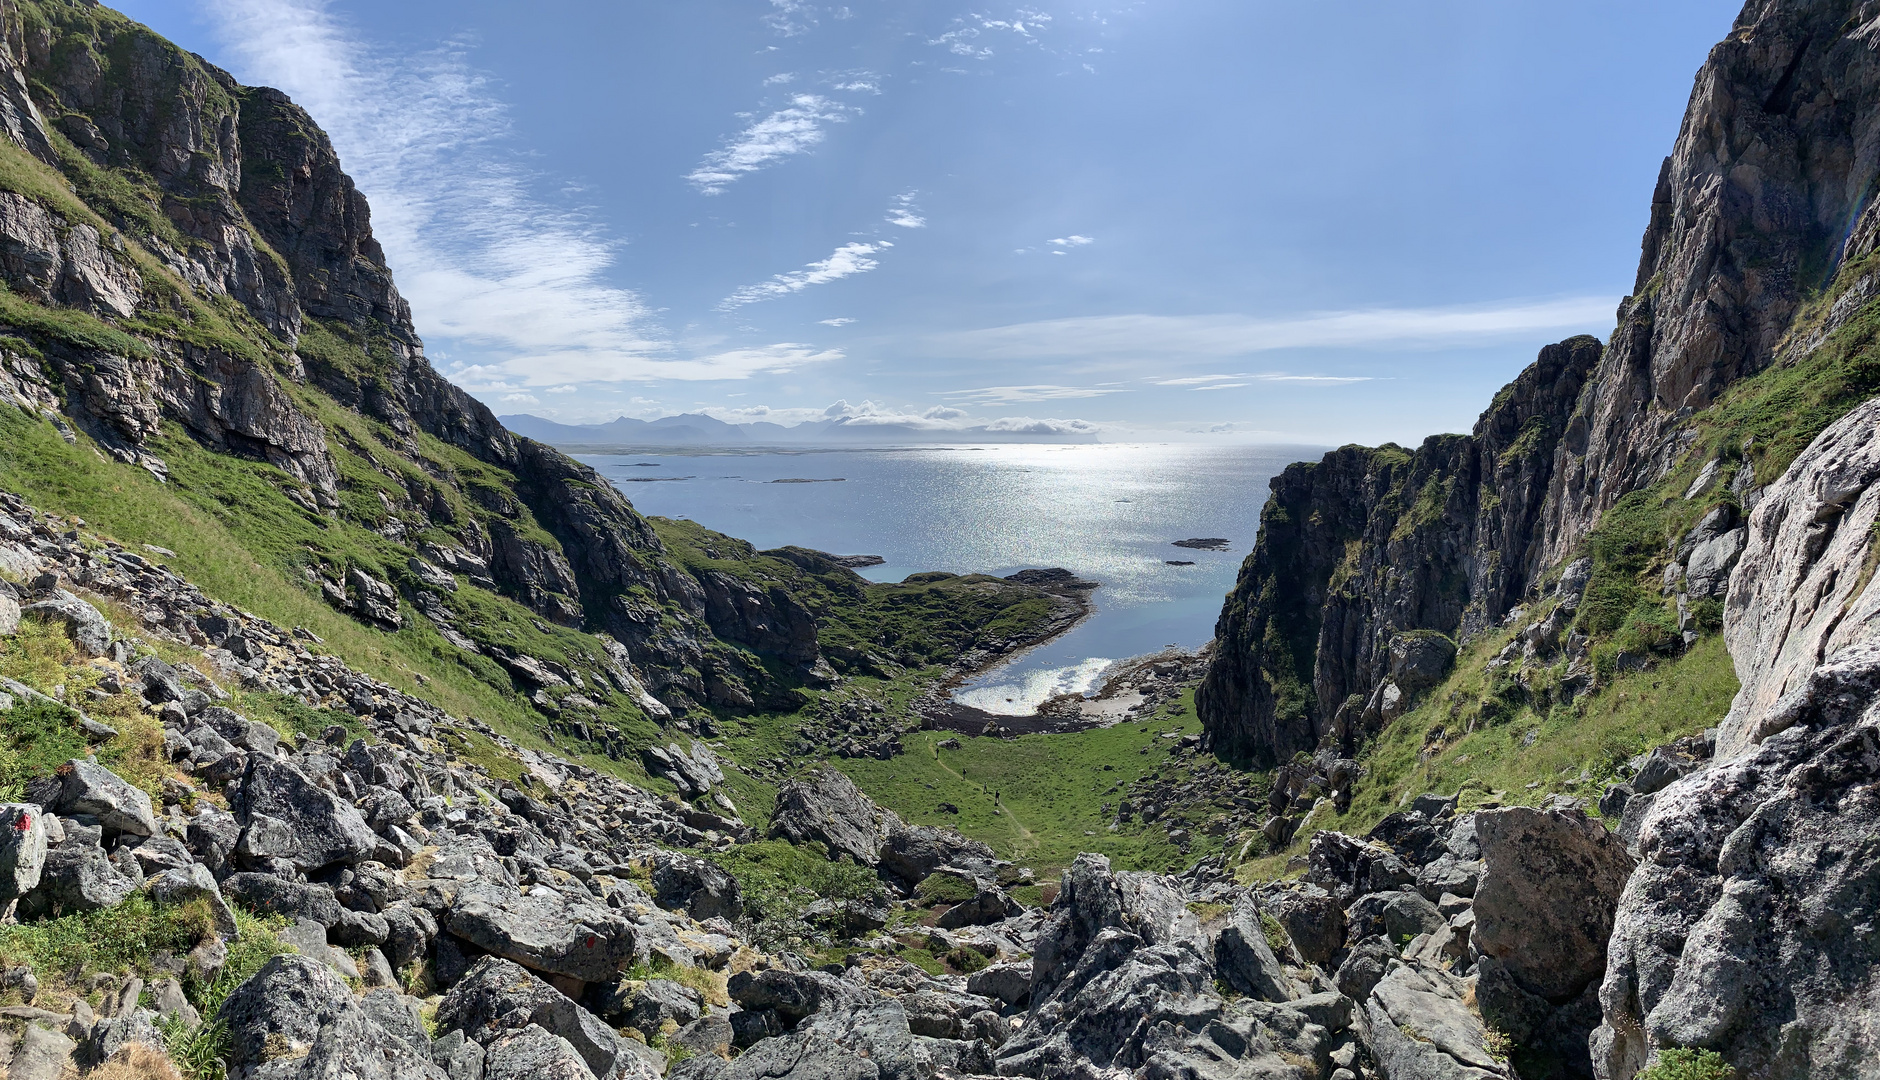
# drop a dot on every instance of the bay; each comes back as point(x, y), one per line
point(1107, 512)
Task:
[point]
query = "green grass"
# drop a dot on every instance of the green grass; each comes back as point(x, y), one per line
point(944, 889)
point(1551, 747)
point(36, 736)
point(1037, 799)
point(1680, 1063)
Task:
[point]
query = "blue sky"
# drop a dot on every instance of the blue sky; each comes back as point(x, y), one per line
point(1343, 220)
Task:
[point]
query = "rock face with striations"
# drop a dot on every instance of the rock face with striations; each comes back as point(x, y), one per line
point(1747, 926)
point(1367, 546)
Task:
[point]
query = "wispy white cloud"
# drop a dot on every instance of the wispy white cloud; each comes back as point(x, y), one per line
point(1224, 382)
point(735, 363)
point(1073, 241)
point(968, 34)
point(1109, 338)
point(485, 261)
point(1012, 395)
point(790, 17)
point(780, 79)
point(939, 420)
point(844, 321)
point(846, 261)
point(904, 213)
point(791, 130)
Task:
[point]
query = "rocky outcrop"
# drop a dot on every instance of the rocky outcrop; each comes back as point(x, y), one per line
point(1752, 211)
point(1366, 551)
point(1804, 588)
point(1742, 930)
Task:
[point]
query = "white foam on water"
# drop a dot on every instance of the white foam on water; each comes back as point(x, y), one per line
point(1034, 688)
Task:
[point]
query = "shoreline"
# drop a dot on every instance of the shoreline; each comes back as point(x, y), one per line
point(1129, 686)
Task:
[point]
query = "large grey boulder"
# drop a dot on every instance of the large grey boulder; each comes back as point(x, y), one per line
point(989, 905)
point(826, 807)
point(532, 1053)
point(194, 882)
point(90, 631)
point(1543, 914)
point(1119, 954)
point(22, 849)
point(702, 889)
point(497, 997)
point(1747, 927)
point(296, 1020)
point(42, 1054)
point(286, 816)
point(1313, 919)
point(1244, 960)
point(76, 876)
point(544, 930)
point(1422, 1029)
point(1009, 982)
point(91, 789)
point(914, 851)
point(269, 895)
point(1348, 867)
point(1799, 593)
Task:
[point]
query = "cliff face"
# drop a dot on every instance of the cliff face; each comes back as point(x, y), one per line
point(1767, 192)
point(179, 249)
point(1364, 549)
point(1758, 253)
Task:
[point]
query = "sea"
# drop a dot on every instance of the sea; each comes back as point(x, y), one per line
point(1107, 512)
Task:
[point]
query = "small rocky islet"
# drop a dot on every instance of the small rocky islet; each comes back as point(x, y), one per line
point(416, 752)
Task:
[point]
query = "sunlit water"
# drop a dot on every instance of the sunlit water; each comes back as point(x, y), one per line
point(1108, 513)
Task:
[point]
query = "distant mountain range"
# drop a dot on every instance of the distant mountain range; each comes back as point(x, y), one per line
point(697, 429)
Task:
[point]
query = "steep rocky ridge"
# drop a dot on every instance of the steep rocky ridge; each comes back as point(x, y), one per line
point(1364, 549)
point(1747, 333)
point(187, 268)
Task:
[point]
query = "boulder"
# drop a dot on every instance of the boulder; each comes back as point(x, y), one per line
point(190, 883)
point(544, 930)
point(1008, 982)
point(22, 849)
point(1245, 961)
point(1364, 966)
point(914, 851)
point(534, 1054)
point(1747, 926)
point(988, 906)
point(266, 894)
point(496, 997)
point(1348, 867)
point(281, 1010)
point(791, 995)
point(1543, 914)
point(701, 889)
point(1421, 1029)
point(286, 816)
point(662, 1001)
point(76, 876)
point(1312, 918)
point(459, 1056)
point(93, 790)
point(399, 1016)
point(1546, 900)
point(826, 807)
point(90, 631)
point(42, 1055)
point(1397, 916)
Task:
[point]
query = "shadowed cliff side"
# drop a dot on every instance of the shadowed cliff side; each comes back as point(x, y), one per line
point(1758, 256)
point(1363, 550)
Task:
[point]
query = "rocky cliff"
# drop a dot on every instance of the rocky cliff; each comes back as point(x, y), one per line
point(1370, 561)
point(1746, 335)
point(184, 258)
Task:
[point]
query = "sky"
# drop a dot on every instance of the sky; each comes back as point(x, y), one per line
point(1260, 220)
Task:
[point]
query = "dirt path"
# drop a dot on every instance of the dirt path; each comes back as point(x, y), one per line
point(1024, 834)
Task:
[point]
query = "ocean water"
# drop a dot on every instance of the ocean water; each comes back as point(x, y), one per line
point(1109, 513)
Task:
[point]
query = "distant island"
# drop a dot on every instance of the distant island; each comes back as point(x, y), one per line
point(693, 430)
point(1204, 543)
